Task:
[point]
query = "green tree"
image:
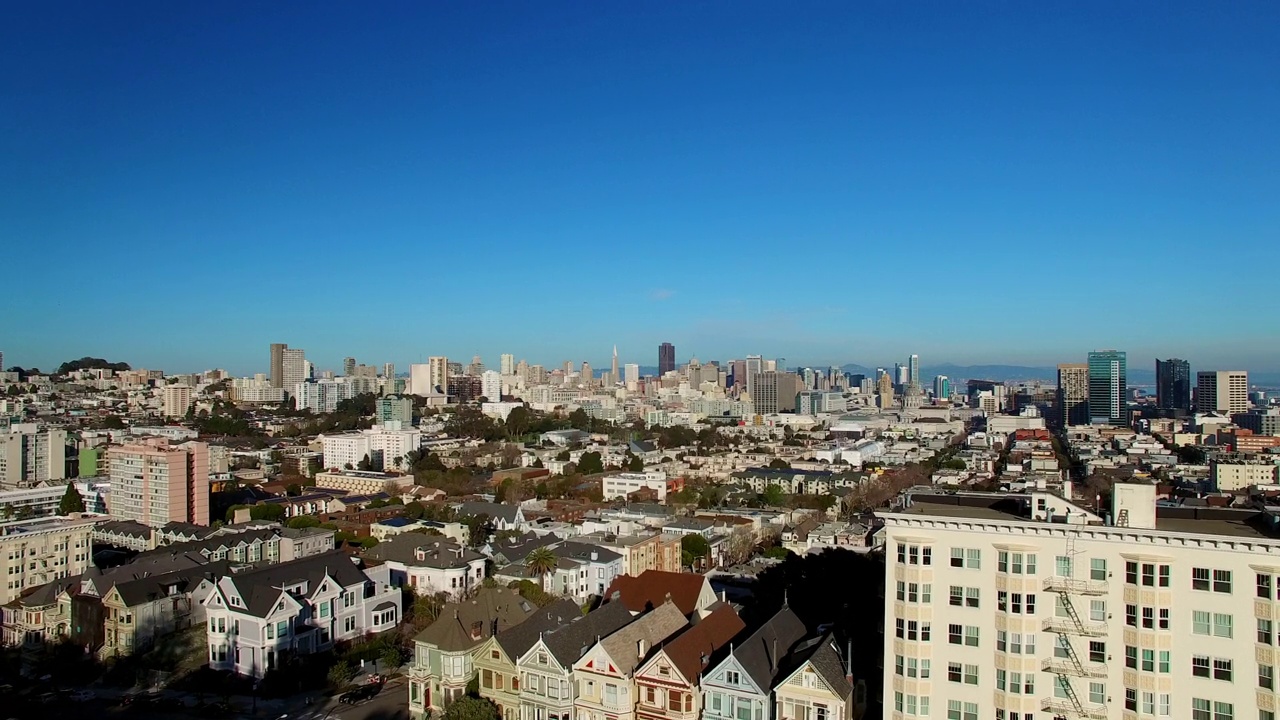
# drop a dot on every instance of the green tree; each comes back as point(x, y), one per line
point(539, 562)
point(469, 707)
point(365, 463)
point(563, 456)
point(590, 463)
point(303, 521)
point(773, 495)
point(580, 420)
point(267, 511)
point(779, 464)
point(72, 501)
point(368, 542)
point(517, 422)
point(694, 547)
point(415, 510)
point(635, 464)
point(340, 674)
point(391, 658)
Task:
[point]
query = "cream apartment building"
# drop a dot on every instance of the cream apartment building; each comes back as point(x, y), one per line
point(1021, 607)
point(38, 551)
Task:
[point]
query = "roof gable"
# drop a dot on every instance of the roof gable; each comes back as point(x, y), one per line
point(762, 655)
point(652, 587)
point(696, 648)
point(816, 664)
point(719, 676)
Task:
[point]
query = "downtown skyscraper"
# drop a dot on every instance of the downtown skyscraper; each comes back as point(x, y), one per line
point(1173, 384)
point(666, 358)
point(1073, 394)
point(1108, 388)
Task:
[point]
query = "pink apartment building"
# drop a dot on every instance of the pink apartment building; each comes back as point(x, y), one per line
point(153, 482)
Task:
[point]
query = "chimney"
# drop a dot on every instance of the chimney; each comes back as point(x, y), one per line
point(477, 630)
point(641, 648)
point(773, 654)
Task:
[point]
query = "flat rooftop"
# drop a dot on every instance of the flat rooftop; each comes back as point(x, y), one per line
point(1255, 523)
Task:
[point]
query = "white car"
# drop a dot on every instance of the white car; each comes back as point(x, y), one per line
point(82, 695)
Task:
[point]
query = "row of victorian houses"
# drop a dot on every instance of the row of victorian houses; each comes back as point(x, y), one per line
point(661, 646)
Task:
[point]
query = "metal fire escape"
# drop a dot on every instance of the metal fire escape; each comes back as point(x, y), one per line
point(1065, 669)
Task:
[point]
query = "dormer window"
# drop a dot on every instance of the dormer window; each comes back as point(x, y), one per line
point(235, 601)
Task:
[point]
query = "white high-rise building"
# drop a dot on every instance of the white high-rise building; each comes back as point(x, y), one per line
point(491, 385)
point(1222, 391)
point(1003, 606)
point(30, 455)
point(177, 400)
point(913, 370)
point(294, 367)
point(507, 364)
point(755, 366)
point(439, 375)
point(323, 396)
point(389, 370)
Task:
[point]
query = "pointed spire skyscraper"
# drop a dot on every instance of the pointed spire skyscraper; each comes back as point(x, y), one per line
point(613, 372)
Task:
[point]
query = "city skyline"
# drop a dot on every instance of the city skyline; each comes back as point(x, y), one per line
point(951, 144)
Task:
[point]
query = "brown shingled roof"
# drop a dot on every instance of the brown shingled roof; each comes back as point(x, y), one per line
point(692, 651)
point(652, 587)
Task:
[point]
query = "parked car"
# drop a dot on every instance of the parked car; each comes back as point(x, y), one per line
point(82, 695)
point(360, 694)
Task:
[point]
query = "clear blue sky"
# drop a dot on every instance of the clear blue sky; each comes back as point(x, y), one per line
point(183, 183)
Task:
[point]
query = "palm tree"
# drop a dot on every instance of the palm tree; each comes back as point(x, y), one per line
point(540, 562)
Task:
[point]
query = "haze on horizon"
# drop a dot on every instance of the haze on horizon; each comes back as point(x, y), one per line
point(830, 183)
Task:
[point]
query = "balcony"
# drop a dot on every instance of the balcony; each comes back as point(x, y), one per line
point(1060, 584)
point(1068, 626)
point(1064, 666)
point(1066, 708)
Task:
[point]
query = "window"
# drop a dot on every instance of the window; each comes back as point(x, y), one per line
point(1002, 601)
point(1001, 679)
point(1098, 610)
point(956, 596)
point(1062, 648)
point(971, 597)
point(1200, 665)
point(1131, 657)
point(1164, 576)
point(1221, 625)
point(1200, 709)
point(1222, 581)
point(1164, 661)
point(1148, 574)
point(1264, 631)
point(1131, 699)
point(955, 634)
point(1199, 578)
point(1131, 573)
point(1149, 703)
point(1097, 651)
point(1222, 669)
point(1149, 618)
point(973, 558)
point(1164, 619)
point(1131, 615)
point(1148, 660)
point(957, 557)
point(1062, 566)
point(955, 672)
point(970, 674)
point(1097, 693)
point(1222, 711)
point(902, 591)
point(915, 554)
point(971, 635)
point(1098, 569)
point(1267, 677)
point(1002, 561)
point(898, 665)
point(1264, 586)
point(1200, 622)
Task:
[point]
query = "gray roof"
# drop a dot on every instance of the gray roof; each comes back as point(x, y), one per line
point(464, 625)
point(215, 542)
point(436, 552)
point(124, 527)
point(153, 587)
point(761, 655)
point(261, 588)
point(569, 642)
point(517, 549)
point(582, 552)
point(516, 641)
point(653, 627)
point(493, 510)
point(822, 654)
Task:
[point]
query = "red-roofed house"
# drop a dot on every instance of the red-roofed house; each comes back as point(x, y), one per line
point(690, 592)
point(667, 685)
